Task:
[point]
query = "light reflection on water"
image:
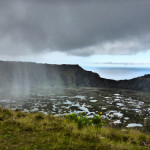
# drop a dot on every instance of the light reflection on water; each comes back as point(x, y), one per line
point(119, 73)
point(118, 107)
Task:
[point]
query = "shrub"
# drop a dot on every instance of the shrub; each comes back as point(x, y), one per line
point(83, 121)
point(97, 121)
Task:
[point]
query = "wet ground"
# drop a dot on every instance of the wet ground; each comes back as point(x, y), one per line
point(120, 108)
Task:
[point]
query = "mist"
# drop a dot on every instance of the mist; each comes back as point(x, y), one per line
point(24, 78)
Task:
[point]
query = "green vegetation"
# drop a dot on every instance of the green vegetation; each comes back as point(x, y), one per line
point(84, 121)
point(29, 131)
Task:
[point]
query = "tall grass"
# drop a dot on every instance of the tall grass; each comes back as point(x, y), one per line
point(27, 131)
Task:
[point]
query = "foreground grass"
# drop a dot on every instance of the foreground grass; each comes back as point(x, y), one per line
point(31, 131)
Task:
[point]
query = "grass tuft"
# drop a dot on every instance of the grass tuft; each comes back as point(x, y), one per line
point(19, 130)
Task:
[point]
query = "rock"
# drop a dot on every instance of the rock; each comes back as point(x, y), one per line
point(23, 76)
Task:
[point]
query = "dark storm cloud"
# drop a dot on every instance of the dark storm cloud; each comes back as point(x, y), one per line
point(78, 27)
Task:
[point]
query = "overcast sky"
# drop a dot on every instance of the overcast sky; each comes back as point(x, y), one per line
point(88, 32)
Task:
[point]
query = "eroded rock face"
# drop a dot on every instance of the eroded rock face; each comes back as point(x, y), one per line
point(27, 74)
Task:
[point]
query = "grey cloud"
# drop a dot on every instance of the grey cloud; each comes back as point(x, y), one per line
point(76, 27)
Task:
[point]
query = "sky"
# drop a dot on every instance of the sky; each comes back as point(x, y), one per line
point(84, 32)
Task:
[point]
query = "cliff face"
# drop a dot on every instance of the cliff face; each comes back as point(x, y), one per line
point(140, 83)
point(25, 74)
point(32, 74)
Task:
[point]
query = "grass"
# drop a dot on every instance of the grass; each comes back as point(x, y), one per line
point(36, 131)
point(83, 121)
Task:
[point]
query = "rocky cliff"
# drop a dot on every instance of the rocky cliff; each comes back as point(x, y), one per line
point(28, 74)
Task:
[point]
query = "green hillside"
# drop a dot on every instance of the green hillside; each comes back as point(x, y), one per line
point(19, 131)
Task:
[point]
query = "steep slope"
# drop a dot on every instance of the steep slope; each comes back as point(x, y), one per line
point(140, 83)
point(27, 74)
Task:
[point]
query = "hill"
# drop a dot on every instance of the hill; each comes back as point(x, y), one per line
point(20, 130)
point(25, 75)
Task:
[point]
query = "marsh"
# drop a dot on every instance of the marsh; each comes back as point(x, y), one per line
point(121, 108)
